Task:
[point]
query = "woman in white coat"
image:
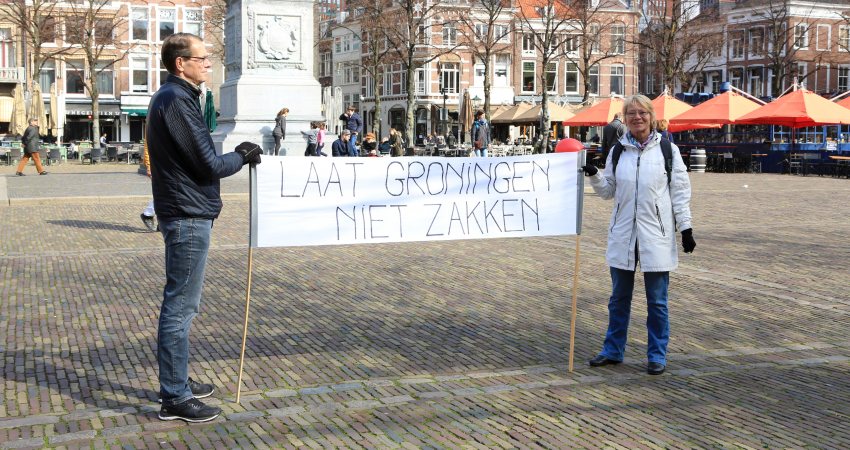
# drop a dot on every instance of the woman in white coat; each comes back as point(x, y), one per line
point(648, 208)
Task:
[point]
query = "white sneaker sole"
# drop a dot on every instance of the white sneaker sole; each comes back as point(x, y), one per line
point(186, 419)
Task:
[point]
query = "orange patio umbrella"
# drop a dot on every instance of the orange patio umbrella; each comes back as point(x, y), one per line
point(724, 109)
point(845, 102)
point(797, 109)
point(667, 107)
point(600, 114)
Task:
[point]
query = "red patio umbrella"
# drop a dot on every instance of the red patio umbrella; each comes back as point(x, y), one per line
point(667, 107)
point(797, 109)
point(600, 114)
point(724, 109)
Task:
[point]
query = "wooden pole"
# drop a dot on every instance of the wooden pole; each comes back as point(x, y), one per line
point(575, 297)
point(245, 326)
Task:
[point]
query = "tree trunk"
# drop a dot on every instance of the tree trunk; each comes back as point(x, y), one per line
point(411, 100)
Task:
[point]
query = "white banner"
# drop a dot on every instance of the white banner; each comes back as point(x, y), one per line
point(325, 201)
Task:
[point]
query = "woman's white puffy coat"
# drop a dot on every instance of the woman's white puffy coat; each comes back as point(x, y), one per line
point(645, 207)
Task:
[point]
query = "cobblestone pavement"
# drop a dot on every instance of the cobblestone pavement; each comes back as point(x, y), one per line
point(437, 345)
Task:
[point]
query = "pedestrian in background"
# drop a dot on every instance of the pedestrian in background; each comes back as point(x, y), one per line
point(612, 133)
point(663, 124)
point(320, 140)
point(279, 132)
point(480, 134)
point(185, 175)
point(312, 137)
point(353, 123)
point(30, 142)
point(340, 146)
point(649, 209)
point(149, 212)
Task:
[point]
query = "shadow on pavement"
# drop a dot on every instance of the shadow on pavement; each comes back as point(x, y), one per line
point(97, 225)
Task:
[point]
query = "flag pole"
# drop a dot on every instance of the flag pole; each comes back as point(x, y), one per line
point(582, 160)
point(252, 236)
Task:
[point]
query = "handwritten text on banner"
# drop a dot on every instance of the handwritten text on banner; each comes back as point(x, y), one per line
point(326, 201)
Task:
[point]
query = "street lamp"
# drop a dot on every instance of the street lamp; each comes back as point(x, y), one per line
point(445, 114)
point(476, 101)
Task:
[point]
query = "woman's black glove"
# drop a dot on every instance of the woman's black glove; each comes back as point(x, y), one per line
point(688, 242)
point(589, 169)
point(250, 152)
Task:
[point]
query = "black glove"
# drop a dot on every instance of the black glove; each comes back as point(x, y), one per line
point(589, 169)
point(688, 242)
point(250, 152)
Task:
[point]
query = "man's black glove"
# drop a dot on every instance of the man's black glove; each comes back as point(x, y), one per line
point(250, 152)
point(589, 169)
point(688, 242)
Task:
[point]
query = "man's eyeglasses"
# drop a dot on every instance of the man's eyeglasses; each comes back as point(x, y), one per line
point(637, 113)
point(202, 59)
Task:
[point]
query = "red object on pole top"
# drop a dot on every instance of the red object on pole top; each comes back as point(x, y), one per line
point(569, 145)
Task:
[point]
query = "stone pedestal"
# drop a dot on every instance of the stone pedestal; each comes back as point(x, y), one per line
point(268, 66)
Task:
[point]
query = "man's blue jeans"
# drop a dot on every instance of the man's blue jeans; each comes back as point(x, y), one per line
point(187, 242)
point(619, 311)
point(352, 145)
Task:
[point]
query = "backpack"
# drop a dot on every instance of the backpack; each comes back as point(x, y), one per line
point(666, 150)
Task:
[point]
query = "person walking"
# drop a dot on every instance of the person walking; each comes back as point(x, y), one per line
point(650, 204)
point(480, 134)
point(354, 124)
point(320, 140)
point(185, 175)
point(340, 146)
point(396, 143)
point(612, 133)
point(30, 143)
point(312, 137)
point(149, 212)
point(279, 132)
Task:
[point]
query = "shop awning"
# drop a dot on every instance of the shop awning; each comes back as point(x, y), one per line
point(135, 112)
point(6, 108)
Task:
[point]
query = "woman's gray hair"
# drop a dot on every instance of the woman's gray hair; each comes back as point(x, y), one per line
point(645, 103)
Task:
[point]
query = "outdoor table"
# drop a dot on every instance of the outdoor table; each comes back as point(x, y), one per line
point(755, 165)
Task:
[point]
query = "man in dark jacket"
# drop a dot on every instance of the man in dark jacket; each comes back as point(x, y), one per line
point(30, 144)
point(185, 174)
point(354, 124)
point(612, 133)
point(340, 146)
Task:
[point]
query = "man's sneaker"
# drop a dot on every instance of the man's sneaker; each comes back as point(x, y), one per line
point(20, 174)
point(148, 221)
point(199, 390)
point(192, 410)
point(43, 172)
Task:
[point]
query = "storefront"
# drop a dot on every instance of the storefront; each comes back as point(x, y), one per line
point(79, 122)
point(135, 120)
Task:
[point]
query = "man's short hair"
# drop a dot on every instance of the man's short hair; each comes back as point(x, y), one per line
point(175, 46)
point(352, 108)
point(345, 132)
point(32, 119)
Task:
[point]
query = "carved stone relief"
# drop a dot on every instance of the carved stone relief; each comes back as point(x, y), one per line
point(273, 41)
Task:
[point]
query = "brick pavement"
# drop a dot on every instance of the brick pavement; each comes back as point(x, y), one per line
point(439, 345)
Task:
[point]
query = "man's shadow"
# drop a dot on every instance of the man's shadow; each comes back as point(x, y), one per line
point(98, 225)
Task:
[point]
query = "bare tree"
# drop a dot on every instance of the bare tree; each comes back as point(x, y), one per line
point(681, 47)
point(542, 25)
point(96, 27)
point(37, 22)
point(409, 40)
point(584, 43)
point(215, 12)
point(483, 29)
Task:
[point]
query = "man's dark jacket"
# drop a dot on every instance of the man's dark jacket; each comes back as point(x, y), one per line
point(185, 170)
point(612, 133)
point(339, 148)
point(30, 140)
point(353, 123)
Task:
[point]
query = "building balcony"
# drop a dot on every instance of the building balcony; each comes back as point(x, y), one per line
point(11, 74)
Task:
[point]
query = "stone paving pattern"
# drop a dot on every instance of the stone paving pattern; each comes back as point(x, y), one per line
point(425, 345)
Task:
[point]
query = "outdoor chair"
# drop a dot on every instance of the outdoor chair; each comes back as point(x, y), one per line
point(111, 153)
point(94, 155)
point(796, 163)
point(54, 155)
point(14, 155)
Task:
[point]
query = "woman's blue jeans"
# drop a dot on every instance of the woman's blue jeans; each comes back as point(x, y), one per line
point(619, 311)
point(187, 242)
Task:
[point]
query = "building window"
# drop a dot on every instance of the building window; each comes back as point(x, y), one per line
point(422, 35)
point(502, 70)
point(801, 35)
point(528, 43)
point(105, 79)
point(139, 31)
point(481, 31)
point(756, 41)
point(528, 76)
point(166, 22)
point(593, 77)
point(48, 30)
point(47, 76)
point(395, 80)
point(735, 78)
point(73, 30)
point(843, 78)
point(802, 71)
point(103, 31)
point(593, 38)
point(618, 39)
point(192, 22)
point(736, 47)
point(449, 34)
point(74, 73)
point(163, 73)
point(571, 43)
point(650, 82)
point(501, 33)
point(844, 38)
point(756, 87)
point(139, 75)
point(571, 78)
point(450, 78)
point(618, 77)
point(368, 91)
point(421, 81)
point(325, 64)
point(552, 77)
point(478, 73)
point(338, 44)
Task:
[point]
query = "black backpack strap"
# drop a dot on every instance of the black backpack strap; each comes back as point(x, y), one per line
point(615, 157)
point(667, 151)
